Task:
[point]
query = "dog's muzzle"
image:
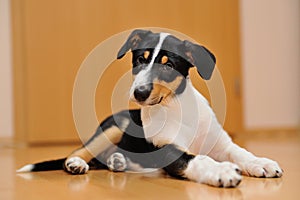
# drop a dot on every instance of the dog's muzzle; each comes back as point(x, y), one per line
point(142, 92)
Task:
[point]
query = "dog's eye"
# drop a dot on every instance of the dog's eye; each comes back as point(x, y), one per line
point(141, 60)
point(168, 66)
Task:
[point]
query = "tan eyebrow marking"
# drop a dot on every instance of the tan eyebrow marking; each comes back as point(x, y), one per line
point(164, 60)
point(146, 54)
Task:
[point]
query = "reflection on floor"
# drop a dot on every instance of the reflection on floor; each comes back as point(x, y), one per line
point(283, 147)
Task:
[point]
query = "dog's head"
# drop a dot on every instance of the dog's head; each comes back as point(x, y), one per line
point(161, 63)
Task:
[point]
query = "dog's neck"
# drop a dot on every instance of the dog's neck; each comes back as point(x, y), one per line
point(181, 114)
point(185, 121)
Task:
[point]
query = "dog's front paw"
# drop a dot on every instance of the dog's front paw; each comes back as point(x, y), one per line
point(205, 170)
point(224, 174)
point(76, 165)
point(263, 167)
point(117, 162)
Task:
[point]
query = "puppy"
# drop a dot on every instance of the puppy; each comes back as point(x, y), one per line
point(175, 129)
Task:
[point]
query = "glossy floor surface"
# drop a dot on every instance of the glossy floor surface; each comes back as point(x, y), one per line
point(283, 147)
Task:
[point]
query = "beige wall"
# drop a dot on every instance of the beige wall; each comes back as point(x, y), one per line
point(6, 103)
point(270, 60)
point(270, 31)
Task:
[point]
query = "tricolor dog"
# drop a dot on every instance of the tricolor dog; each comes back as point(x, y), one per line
point(175, 129)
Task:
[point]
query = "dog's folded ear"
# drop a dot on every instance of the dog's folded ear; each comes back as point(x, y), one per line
point(200, 57)
point(132, 42)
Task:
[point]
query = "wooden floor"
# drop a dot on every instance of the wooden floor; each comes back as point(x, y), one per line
point(284, 147)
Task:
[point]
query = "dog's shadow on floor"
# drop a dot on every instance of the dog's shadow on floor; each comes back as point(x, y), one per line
point(121, 181)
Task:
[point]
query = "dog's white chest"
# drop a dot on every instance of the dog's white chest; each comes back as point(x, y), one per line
point(187, 121)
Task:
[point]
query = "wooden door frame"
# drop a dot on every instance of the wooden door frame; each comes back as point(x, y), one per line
point(19, 69)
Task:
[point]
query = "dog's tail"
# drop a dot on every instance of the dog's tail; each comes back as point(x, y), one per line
point(43, 166)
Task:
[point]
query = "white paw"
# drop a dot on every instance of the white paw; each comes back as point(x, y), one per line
point(117, 162)
point(224, 174)
point(263, 167)
point(76, 165)
point(206, 170)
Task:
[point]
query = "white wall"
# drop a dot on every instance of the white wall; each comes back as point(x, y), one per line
point(6, 101)
point(270, 37)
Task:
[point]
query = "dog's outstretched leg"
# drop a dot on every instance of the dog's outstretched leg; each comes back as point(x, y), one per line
point(202, 169)
point(250, 164)
point(76, 163)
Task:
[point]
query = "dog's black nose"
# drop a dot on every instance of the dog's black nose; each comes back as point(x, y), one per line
point(141, 93)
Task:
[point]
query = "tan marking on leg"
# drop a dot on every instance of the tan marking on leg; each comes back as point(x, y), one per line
point(124, 124)
point(99, 144)
point(83, 153)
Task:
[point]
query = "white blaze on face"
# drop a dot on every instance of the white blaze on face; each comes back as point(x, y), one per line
point(162, 37)
point(142, 77)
